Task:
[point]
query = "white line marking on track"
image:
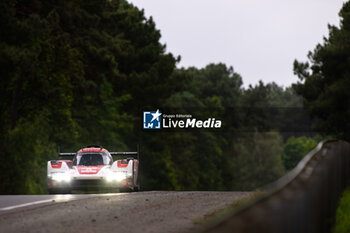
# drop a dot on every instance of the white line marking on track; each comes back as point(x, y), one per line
point(60, 198)
point(25, 204)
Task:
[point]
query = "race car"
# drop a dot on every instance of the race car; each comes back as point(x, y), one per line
point(93, 168)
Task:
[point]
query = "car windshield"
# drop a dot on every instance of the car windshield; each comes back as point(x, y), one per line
point(89, 159)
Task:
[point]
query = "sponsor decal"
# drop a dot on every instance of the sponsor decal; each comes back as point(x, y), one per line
point(89, 170)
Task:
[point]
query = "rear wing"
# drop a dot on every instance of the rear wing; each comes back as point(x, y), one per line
point(134, 154)
point(112, 153)
point(124, 153)
point(67, 154)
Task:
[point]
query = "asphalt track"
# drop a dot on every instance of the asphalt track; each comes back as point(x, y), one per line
point(155, 211)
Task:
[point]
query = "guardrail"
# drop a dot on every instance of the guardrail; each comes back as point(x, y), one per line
point(305, 200)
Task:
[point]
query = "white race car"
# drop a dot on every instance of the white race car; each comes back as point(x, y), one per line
point(91, 168)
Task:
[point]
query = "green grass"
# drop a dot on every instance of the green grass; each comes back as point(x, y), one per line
point(342, 219)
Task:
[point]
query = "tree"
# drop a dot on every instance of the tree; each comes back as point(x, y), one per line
point(325, 80)
point(267, 107)
point(81, 72)
point(74, 73)
point(256, 161)
point(295, 149)
point(38, 67)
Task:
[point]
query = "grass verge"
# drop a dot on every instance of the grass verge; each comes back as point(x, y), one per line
point(216, 215)
point(342, 218)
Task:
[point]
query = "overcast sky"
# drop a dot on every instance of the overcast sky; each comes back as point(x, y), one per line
point(259, 38)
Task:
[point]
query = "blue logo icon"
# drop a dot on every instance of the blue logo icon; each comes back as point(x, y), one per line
point(151, 120)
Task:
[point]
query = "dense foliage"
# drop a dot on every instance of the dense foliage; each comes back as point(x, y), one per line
point(81, 72)
point(342, 223)
point(324, 84)
point(295, 149)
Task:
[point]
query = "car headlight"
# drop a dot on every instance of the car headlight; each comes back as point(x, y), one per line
point(61, 177)
point(115, 176)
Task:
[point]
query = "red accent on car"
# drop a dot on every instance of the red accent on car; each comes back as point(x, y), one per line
point(126, 183)
point(122, 163)
point(55, 164)
point(58, 163)
point(89, 169)
point(91, 149)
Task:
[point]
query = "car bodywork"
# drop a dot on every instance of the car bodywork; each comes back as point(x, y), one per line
point(93, 168)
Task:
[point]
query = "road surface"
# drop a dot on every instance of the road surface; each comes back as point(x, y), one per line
point(155, 211)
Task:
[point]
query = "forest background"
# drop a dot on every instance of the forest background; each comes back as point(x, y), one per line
point(76, 73)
